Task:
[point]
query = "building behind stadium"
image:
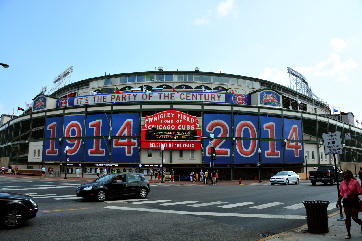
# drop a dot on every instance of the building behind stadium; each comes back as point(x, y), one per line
point(177, 120)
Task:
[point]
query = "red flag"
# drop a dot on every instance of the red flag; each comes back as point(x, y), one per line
point(71, 95)
point(19, 108)
point(117, 91)
point(173, 89)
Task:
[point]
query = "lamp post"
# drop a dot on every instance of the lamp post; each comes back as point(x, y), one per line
point(66, 162)
point(259, 164)
point(162, 174)
point(306, 165)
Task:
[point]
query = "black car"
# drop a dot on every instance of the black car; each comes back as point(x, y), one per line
point(15, 209)
point(115, 185)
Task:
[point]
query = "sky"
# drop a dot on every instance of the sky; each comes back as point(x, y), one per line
point(321, 39)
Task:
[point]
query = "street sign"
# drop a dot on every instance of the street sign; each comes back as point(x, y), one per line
point(332, 143)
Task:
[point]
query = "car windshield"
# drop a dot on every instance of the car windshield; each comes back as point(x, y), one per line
point(282, 173)
point(105, 178)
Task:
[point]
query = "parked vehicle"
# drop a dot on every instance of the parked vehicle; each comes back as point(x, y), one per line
point(325, 174)
point(285, 177)
point(115, 185)
point(16, 209)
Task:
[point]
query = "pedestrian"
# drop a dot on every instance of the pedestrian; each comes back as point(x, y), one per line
point(43, 171)
point(98, 171)
point(158, 176)
point(360, 174)
point(16, 170)
point(50, 171)
point(349, 191)
point(151, 174)
point(191, 176)
point(3, 170)
point(213, 177)
point(196, 176)
point(172, 176)
point(201, 176)
point(217, 176)
point(13, 171)
point(105, 171)
point(77, 172)
point(205, 176)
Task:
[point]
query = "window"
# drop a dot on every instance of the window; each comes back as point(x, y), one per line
point(107, 82)
point(34, 153)
point(241, 82)
point(38, 153)
point(181, 153)
point(150, 78)
point(192, 154)
point(132, 78)
point(149, 152)
point(233, 81)
point(256, 85)
point(321, 156)
point(115, 81)
point(312, 155)
point(160, 77)
point(160, 153)
point(168, 77)
point(141, 78)
point(179, 78)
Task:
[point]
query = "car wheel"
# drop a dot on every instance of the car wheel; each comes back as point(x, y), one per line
point(297, 182)
point(332, 182)
point(101, 196)
point(272, 183)
point(313, 183)
point(143, 193)
point(13, 217)
point(287, 182)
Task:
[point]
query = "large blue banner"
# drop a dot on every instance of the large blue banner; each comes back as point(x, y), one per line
point(220, 126)
point(293, 135)
point(97, 149)
point(53, 129)
point(271, 151)
point(246, 142)
point(73, 148)
point(125, 149)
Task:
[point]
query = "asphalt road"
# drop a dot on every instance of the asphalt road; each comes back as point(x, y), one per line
point(170, 212)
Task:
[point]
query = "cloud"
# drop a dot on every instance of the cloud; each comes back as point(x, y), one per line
point(338, 44)
point(333, 66)
point(225, 8)
point(275, 75)
point(201, 21)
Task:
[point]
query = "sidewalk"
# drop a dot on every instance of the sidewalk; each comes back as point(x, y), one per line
point(337, 230)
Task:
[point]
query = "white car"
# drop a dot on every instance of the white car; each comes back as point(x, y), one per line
point(285, 177)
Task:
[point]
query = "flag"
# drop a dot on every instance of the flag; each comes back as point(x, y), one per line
point(92, 93)
point(232, 92)
point(357, 121)
point(173, 89)
point(71, 95)
point(117, 91)
point(19, 108)
point(13, 111)
point(27, 105)
point(335, 110)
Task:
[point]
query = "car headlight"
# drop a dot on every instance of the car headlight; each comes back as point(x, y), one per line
point(87, 188)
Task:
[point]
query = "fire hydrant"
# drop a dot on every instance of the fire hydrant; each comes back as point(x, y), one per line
point(240, 180)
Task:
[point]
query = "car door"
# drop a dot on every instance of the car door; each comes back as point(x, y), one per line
point(293, 177)
point(118, 185)
point(133, 183)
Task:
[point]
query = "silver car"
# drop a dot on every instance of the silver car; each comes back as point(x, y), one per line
point(285, 177)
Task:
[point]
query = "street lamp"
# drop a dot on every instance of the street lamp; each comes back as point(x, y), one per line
point(306, 166)
point(259, 164)
point(162, 174)
point(66, 161)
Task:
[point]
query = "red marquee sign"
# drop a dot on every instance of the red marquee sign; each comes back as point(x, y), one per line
point(174, 131)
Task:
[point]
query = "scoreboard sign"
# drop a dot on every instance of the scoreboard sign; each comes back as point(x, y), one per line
point(173, 129)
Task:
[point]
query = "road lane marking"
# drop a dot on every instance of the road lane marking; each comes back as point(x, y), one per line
point(267, 205)
point(240, 215)
point(197, 205)
point(234, 205)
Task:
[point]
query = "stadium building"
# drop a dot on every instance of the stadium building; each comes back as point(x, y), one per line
point(182, 120)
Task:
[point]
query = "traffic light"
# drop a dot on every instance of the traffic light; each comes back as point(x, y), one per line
point(213, 153)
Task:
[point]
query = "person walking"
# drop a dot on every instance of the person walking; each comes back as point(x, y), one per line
point(201, 176)
point(213, 177)
point(43, 171)
point(98, 171)
point(349, 191)
point(360, 175)
point(3, 170)
point(206, 174)
point(50, 171)
point(217, 176)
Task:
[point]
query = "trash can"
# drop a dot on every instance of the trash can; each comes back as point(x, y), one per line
point(317, 217)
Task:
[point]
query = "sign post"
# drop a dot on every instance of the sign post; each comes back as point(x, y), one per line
point(333, 145)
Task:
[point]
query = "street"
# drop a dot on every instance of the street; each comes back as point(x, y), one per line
point(171, 211)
